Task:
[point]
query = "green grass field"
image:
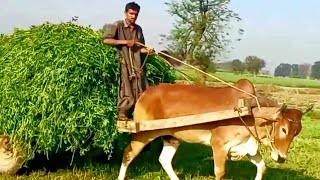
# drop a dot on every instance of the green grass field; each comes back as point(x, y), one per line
point(280, 81)
point(193, 162)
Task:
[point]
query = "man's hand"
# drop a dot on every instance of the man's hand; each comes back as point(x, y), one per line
point(131, 43)
point(149, 51)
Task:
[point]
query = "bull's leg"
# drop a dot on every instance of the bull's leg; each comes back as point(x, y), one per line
point(138, 142)
point(170, 146)
point(220, 159)
point(261, 167)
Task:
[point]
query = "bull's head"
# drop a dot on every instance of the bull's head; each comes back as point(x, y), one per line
point(287, 126)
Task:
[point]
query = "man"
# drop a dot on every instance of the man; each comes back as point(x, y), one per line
point(124, 34)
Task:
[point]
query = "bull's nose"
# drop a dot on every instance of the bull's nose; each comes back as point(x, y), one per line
point(281, 159)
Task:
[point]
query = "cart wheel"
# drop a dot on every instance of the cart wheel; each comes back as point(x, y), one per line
point(10, 159)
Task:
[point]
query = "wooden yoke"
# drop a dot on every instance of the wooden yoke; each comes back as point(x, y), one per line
point(134, 127)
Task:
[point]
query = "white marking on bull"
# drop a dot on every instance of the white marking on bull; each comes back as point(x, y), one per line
point(261, 167)
point(165, 159)
point(123, 171)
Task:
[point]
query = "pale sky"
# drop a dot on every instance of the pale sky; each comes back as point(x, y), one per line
point(278, 31)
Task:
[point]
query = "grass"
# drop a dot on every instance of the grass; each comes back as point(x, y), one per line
point(280, 81)
point(193, 162)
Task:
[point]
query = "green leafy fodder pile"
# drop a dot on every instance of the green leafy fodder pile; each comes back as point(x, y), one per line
point(59, 87)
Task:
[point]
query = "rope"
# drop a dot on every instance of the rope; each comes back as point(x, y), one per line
point(134, 69)
point(182, 73)
point(270, 139)
point(256, 98)
point(268, 135)
point(144, 62)
point(245, 125)
point(131, 64)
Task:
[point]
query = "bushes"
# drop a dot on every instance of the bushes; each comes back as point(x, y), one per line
point(58, 88)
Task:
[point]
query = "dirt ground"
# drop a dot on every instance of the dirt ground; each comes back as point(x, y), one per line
point(298, 97)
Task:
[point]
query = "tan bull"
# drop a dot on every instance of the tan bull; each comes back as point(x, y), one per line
point(229, 139)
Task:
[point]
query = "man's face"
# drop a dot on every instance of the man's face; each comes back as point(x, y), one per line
point(132, 16)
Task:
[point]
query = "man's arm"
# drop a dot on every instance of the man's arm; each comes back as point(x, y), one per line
point(115, 42)
point(110, 36)
point(142, 41)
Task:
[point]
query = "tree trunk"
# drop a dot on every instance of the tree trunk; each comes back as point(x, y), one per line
point(201, 78)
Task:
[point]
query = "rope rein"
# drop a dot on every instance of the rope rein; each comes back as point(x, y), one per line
point(245, 125)
point(270, 139)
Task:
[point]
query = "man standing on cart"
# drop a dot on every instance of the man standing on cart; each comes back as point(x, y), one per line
point(124, 34)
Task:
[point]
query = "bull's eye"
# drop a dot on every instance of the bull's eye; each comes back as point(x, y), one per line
point(284, 130)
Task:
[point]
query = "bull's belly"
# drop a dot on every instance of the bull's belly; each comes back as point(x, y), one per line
point(199, 136)
point(237, 146)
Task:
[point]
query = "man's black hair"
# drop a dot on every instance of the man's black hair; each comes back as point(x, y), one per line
point(132, 5)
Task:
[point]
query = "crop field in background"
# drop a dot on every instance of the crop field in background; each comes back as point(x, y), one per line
point(280, 81)
point(193, 160)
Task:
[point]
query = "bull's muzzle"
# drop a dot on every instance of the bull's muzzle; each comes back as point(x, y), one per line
point(281, 159)
point(276, 156)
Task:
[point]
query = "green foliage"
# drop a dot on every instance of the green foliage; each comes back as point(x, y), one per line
point(315, 70)
point(59, 87)
point(237, 66)
point(284, 70)
point(158, 71)
point(291, 70)
point(201, 30)
point(212, 68)
point(254, 64)
point(294, 70)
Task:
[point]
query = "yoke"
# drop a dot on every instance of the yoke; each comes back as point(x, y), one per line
point(243, 109)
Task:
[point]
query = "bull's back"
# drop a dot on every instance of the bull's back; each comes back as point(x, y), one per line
point(172, 100)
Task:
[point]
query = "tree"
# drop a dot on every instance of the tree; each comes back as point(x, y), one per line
point(284, 70)
point(200, 29)
point(294, 70)
point(304, 70)
point(237, 66)
point(254, 64)
point(315, 70)
point(265, 72)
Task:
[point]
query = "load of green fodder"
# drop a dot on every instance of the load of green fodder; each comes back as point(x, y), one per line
point(59, 87)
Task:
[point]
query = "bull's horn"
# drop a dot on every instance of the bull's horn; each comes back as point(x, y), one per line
point(282, 108)
point(309, 108)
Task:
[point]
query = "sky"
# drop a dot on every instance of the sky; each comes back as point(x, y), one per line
point(286, 31)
